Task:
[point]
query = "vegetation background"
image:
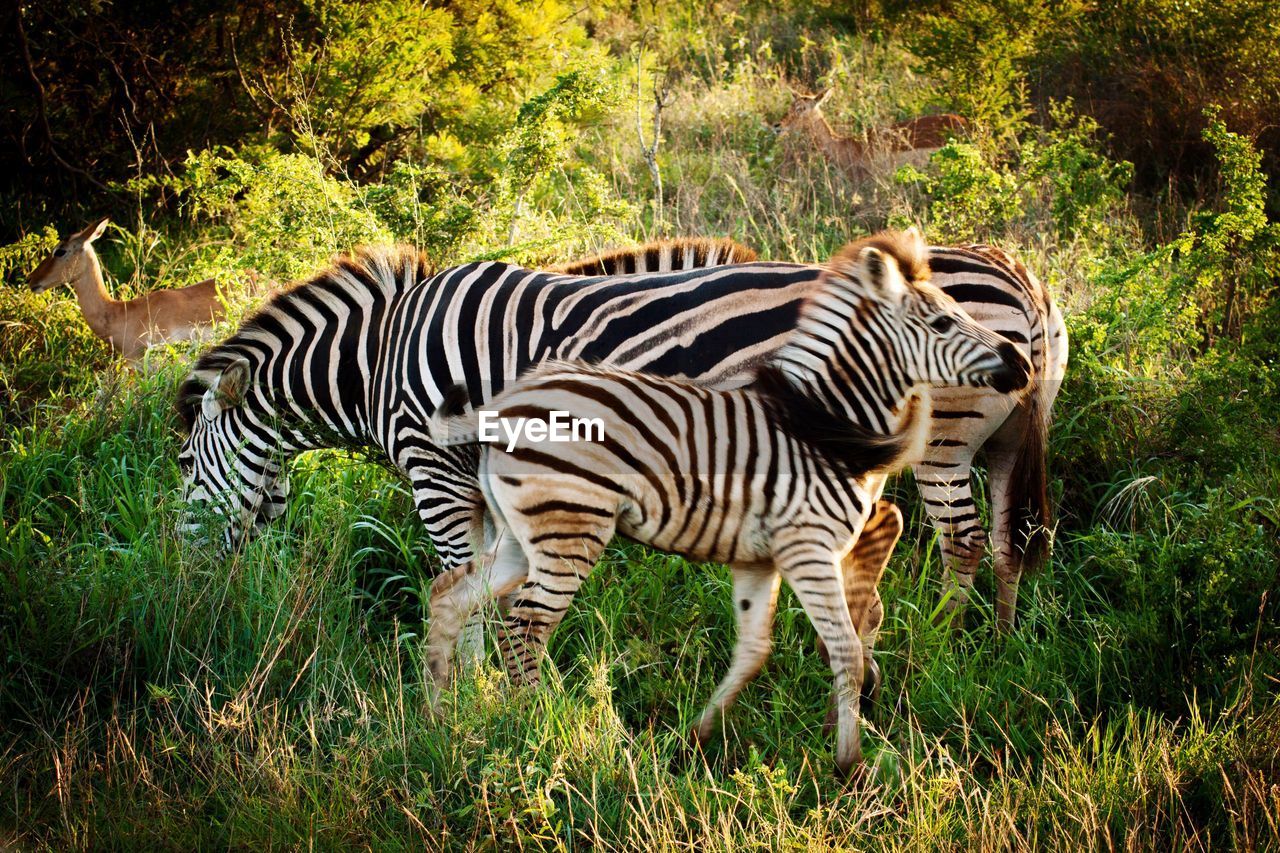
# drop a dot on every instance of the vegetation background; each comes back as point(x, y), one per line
point(153, 695)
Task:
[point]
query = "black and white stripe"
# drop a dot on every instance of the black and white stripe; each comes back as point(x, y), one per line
point(776, 479)
point(361, 355)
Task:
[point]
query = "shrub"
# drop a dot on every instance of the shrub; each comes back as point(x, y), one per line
point(969, 198)
point(1146, 68)
point(1083, 186)
point(1231, 257)
point(284, 214)
point(979, 193)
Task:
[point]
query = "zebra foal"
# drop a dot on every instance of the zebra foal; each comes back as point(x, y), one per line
point(776, 479)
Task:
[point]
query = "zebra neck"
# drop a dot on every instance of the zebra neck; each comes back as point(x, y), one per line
point(874, 399)
point(327, 374)
point(856, 447)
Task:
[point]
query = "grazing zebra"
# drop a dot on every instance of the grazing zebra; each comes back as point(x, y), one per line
point(775, 479)
point(360, 356)
point(663, 256)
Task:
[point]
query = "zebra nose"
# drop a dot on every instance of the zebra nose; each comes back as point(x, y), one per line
point(1014, 371)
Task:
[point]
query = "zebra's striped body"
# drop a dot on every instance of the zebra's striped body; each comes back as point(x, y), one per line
point(362, 354)
point(775, 479)
point(997, 290)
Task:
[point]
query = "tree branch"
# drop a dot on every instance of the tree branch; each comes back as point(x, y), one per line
point(661, 97)
point(42, 104)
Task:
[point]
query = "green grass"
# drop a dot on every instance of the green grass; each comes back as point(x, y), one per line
point(155, 695)
point(152, 694)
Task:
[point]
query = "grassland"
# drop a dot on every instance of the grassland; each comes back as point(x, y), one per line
point(155, 695)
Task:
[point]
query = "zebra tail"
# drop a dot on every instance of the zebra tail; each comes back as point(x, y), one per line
point(1032, 520)
point(454, 421)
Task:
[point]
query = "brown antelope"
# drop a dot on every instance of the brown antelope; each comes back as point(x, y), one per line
point(884, 146)
point(129, 326)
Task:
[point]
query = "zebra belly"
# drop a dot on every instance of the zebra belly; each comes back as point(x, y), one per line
point(728, 523)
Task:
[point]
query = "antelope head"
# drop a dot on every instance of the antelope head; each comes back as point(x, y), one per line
point(804, 108)
point(69, 261)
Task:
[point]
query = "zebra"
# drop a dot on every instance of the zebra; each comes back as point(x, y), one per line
point(220, 382)
point(997, 290)
point(360, 355)
point(776, 479)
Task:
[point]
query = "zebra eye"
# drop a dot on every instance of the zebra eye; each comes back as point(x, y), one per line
point(942, 324)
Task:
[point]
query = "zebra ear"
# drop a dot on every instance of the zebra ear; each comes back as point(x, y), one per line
point(227, 389)
point(881, 275)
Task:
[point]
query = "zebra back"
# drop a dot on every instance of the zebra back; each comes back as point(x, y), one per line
point(683, 253)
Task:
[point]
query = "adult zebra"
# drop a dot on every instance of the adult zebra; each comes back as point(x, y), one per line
point(995, 288)
point(360, 356)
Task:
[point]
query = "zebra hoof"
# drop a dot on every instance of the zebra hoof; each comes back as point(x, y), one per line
point(850, 771)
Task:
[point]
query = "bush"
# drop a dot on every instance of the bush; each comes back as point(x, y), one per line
point(1148, 69)
point(1055, 176)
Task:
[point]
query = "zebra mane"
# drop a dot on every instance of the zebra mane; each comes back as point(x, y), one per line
point(381, 271)
point(844, 273)
point(857, 448)
point(910, 253)
point(722, 250)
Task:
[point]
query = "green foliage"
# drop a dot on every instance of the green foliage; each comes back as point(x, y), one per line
point(1231, 256)
point(541, 162)
point(1208, 282)
point(971, 199)
point(1149, 68)
point(544, 127)
point(423, 205)
point(21, 257)
point(45, 349)
point(976, 194)
point(388, 81)
point(282, 210)
point(375, 67)
point(1084, 186)
point(980, 51)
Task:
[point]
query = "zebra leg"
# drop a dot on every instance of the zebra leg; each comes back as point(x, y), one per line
point(456, 595)
point(863, 567)
point(559, 562)
point(1002, 451)
point(814, 574)
point(755, 595)
point(948, 499)
point(452, 509)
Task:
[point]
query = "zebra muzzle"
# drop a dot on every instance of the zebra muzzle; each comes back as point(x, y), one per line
point(1014, 371)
